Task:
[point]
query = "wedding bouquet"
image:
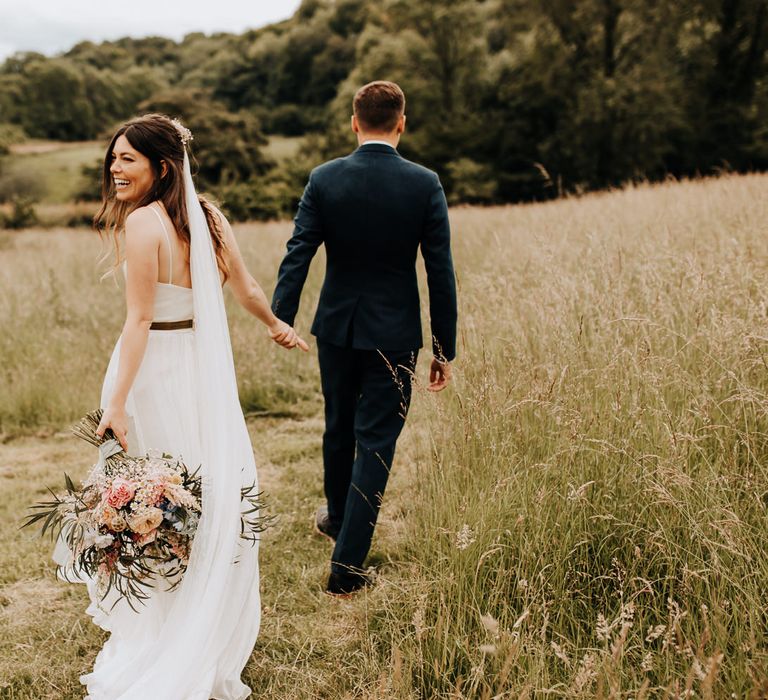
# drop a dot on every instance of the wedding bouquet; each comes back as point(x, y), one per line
point(133, 520)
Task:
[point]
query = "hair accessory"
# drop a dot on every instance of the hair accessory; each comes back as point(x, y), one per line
point(184, 134)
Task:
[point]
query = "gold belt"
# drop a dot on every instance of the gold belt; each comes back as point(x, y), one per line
point(171, 325)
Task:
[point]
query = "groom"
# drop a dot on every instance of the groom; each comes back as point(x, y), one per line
point(373, 210)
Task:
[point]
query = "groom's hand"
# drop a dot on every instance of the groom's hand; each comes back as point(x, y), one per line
point(439, 375)
point(286, 336)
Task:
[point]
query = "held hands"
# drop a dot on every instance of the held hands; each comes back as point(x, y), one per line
point(286, 336)
point(439, 375)
point(116, 419)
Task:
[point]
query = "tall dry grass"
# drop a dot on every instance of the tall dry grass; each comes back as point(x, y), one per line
point(59, 323)
point(583, 514)
point(590, 515)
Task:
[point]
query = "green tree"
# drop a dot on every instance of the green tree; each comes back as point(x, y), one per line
point(10, 134)
point(508, 99)
point(57, 103)
point(227, 145)
point(436, 52)
point(104, 56)
point(295, 64)
point(723, 51)
point(11, 97)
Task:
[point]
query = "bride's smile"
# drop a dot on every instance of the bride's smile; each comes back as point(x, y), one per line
point(132, 172)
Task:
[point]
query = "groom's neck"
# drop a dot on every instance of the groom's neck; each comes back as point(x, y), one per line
point(392, 139)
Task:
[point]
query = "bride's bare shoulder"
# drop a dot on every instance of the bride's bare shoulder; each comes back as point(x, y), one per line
point(142, 221)
point(147, 212)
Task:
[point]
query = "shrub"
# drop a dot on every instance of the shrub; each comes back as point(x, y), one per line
point(291, 119)
point(9, 135)
point(90, 187)
point(260, 198)
point(22, 214)
point(226, 146)
point(472, 182)
point(25, 185)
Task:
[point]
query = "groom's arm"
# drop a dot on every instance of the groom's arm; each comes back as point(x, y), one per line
point(441, 280)
point(301, 248)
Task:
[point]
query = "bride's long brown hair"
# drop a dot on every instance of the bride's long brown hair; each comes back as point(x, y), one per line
point(157, 138)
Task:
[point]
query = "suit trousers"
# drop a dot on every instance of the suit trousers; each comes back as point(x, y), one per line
point(367, 394)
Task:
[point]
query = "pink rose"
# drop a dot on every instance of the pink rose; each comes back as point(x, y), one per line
point(121, 492)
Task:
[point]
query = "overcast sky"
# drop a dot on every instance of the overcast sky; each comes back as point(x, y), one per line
point(51, 26)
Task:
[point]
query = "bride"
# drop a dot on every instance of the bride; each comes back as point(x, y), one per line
point(170, 386)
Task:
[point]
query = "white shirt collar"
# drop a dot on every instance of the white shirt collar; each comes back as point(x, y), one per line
point(382, 143)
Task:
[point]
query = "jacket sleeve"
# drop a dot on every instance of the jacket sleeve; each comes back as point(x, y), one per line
point(441, 280)
point(301, 248)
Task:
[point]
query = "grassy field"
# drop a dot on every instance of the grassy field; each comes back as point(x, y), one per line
point(55, 165)
point(583, 514)
point(282, 148)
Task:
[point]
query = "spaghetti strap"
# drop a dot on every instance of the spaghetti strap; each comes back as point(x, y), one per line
point(170, 248)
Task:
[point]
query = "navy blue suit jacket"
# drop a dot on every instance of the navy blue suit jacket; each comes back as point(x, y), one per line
point(372, 210)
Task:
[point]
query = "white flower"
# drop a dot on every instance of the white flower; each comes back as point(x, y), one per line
point(89, 538)
point(92, 538)
point(184, 134)
point(103, 541)
point(190, 527)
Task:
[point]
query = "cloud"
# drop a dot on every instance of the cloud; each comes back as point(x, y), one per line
point(53, 27)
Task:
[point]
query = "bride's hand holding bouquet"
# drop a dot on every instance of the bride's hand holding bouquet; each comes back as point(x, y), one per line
point(115, 419)
point(132, 521)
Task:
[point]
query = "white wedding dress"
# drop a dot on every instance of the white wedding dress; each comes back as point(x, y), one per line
point(191, 643)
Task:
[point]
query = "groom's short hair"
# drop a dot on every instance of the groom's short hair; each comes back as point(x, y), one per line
point(378, 105)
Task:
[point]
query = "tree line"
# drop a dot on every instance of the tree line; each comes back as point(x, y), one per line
point(509, 100)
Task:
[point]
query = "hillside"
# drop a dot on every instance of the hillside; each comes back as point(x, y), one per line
point(509, 100)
